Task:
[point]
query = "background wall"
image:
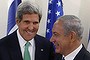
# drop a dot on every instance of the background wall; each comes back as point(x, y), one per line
point(3, 17)
point(79, 8)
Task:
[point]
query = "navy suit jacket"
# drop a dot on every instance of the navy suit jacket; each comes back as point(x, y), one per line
point(10, 48)
point(82, 55)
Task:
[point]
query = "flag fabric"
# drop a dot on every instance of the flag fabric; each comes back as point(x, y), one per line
point(12, 6)
point(88, 47)
point(55, 10)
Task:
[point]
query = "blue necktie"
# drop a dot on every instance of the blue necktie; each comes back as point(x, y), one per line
point(26, 52)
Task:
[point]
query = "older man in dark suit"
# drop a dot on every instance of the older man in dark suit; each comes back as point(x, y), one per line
point(67, 34)
point(12, 47)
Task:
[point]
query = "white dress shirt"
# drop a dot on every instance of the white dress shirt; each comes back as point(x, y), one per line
point(22, 43)
point(73, 54)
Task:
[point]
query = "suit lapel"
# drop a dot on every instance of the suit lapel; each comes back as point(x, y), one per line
point(14, 48)
point(40, 51)
point(37, 49)
point(80, 55)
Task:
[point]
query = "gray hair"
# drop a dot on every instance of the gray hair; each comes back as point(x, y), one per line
point(28, 8)
point(72, 23)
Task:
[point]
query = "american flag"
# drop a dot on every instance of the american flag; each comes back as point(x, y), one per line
point(12, 6)
point(55, 10)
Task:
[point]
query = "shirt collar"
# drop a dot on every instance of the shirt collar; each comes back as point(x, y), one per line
point(22, 42)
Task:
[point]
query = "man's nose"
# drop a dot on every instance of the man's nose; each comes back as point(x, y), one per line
point(53, 40)
point(31, 26)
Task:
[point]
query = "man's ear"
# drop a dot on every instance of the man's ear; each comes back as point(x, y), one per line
point(73, 36)
point(17, 21)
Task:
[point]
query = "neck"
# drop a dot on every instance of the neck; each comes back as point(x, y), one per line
point(72, 47)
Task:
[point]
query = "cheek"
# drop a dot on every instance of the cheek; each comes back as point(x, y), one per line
point(20, 25)
point(61, 43)
point(36, 26)
point(23, 27)
point(65, 44)
point(59, 46)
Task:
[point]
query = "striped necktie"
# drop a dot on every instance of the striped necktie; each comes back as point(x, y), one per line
point(26, 52)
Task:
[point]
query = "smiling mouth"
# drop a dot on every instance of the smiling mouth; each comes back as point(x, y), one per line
point(29, 32)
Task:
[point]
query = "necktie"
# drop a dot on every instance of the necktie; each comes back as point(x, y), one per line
point(63, 58)
point(26, 52)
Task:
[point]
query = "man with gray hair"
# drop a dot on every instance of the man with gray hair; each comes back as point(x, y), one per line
point(25, 43)
point(67, 34)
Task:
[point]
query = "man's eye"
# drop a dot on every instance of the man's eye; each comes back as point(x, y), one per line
point(35, 22)
point(55, 34)
point(27, 22)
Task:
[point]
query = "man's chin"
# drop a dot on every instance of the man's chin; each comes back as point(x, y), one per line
point(57, 50)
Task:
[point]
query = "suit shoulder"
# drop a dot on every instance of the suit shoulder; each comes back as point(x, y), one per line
point(8, 38)
point(87, 55)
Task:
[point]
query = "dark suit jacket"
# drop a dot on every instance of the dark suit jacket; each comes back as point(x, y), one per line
point(82, 55)
point(10, 48)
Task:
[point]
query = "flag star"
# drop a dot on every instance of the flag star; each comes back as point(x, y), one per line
point(59, 3)
point(48, 21)
point(50, 1)
point(49, 11)
point(48, 30)
point(57, 13)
